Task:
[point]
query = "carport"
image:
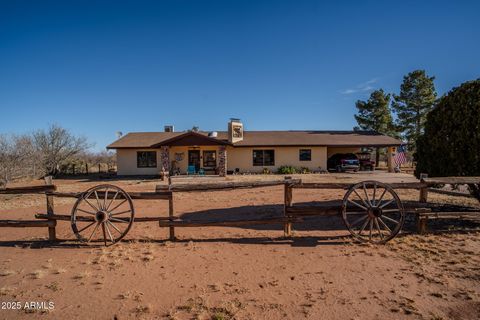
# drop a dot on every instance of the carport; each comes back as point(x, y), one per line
point(390, 151)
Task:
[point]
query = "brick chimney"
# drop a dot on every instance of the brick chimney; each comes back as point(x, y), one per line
point(235, 130)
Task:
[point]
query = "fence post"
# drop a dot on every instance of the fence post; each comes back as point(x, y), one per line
point(170, 215)
point(287, 227)
point(422, 225)
point(50, 210)
point(423, 197)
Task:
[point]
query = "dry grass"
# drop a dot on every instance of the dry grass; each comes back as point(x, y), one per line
point(5, 273)
point(199, 308)
point(124, 296)
point(115, 264)
point(37, 274)
point(133, 295)
point(82, 275)
point(59, 271)
point(148, 258)
point(5, 291)
point(142, 309)
point(54, 286)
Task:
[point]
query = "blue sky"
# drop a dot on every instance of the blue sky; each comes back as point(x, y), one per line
point(104, 66)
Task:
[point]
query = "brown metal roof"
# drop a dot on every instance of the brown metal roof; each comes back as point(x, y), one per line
point(316, 138)
point(264, 138)
point(142, 139)
point(191, 139)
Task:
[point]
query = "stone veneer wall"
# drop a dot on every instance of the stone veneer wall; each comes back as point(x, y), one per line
point(165, 160)
point(222, 161)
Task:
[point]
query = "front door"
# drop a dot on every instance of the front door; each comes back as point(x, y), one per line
point(194, 159)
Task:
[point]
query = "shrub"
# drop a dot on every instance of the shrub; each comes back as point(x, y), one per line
point(287, 170)
point(304, 170)
point(450, 145)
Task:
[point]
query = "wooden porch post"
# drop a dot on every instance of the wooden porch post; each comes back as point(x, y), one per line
point(390, 154)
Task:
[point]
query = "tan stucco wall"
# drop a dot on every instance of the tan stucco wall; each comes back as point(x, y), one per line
point(242, 158)
point(127, 163)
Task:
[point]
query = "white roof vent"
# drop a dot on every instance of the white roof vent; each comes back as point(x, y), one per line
point(213, 134)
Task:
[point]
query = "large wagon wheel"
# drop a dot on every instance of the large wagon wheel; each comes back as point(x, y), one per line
point(373, 212)
point(102, 213)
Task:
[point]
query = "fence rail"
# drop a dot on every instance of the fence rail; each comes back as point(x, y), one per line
point(44, 189)
point(50, 218)
point(291, 213)
point(29, 189)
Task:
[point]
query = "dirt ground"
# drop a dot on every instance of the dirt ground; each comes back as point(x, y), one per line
point(248, 272)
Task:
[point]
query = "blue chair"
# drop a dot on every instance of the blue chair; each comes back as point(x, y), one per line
point(201, 172)
point(191, 170)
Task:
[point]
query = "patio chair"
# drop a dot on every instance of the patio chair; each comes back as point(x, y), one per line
point(191, 170)
point(201, 172)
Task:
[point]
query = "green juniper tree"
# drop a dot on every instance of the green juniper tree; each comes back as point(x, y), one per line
point(375, 114)
point(416, 99)
point(450, 145)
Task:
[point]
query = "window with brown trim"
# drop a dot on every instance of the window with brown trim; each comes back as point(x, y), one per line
point(305, 155)
point(209, 158)
point(146, 159)
point(263, 158)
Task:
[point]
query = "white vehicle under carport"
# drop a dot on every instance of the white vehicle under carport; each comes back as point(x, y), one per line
point(343, 162)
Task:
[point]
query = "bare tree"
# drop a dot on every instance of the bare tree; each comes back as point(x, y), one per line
point(55, 146)
point(16, 157)
point(95, 159)
point(107, 157)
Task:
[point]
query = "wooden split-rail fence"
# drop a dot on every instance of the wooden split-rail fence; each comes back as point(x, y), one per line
point(292, 212)
point(50, 218)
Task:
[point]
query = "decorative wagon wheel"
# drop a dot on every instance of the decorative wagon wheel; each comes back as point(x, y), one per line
point(102, 213)
point(373, 212)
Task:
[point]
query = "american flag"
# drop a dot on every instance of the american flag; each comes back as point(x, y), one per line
point(400, 157)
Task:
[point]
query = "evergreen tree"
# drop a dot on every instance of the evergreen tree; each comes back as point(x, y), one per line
point(416, 99)
point(375, 114)
point(450, 145)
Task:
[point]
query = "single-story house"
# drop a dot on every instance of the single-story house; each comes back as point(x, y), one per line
point(236, 150)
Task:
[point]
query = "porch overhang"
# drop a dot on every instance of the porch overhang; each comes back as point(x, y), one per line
point(191, 139)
